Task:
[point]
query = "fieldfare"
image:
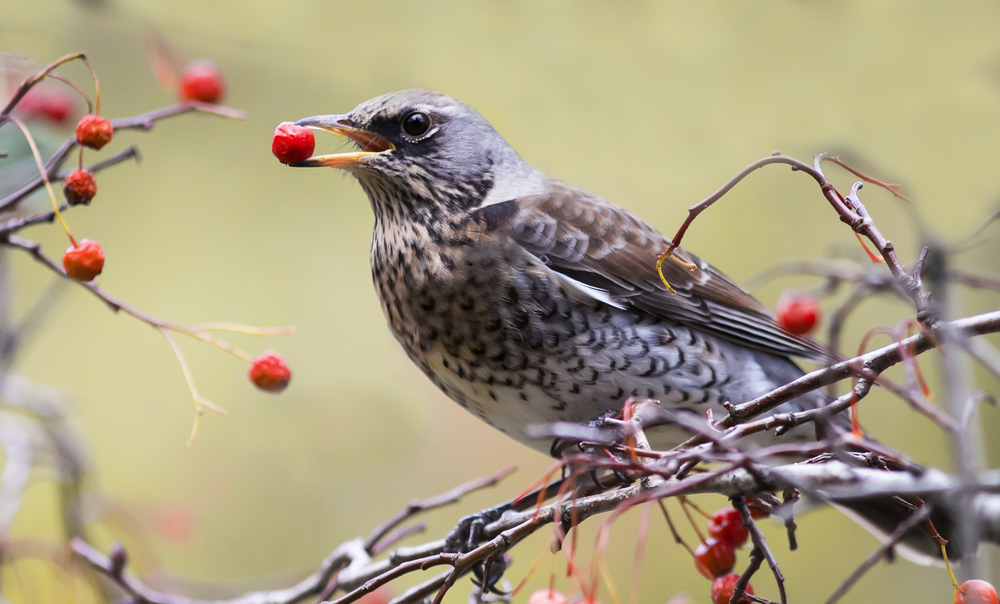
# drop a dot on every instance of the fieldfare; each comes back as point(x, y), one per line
point(529, 301)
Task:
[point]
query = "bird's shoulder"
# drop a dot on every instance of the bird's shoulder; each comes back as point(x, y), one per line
point(607, 249)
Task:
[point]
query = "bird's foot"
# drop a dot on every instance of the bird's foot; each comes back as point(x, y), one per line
point(468, 534)
point(601, 422)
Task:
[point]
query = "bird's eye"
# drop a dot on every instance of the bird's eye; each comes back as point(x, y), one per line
point(416, 123)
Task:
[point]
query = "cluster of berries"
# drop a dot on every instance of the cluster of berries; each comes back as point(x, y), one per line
point(716, 557)
point(200, 81)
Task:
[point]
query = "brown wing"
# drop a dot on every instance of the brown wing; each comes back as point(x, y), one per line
point(603, 246)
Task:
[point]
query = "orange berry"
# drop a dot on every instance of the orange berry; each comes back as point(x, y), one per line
point(547, 596)
point(270, 372)
point(94, 131)
point(727, 525)
point(202, 80)
point(79, 187)
point(798, 314)
point(723, 588)
point(83, 261)
point(975, 591)
point(292, 144)
point(715, 558)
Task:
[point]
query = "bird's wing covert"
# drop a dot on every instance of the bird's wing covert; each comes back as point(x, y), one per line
point(603, 246)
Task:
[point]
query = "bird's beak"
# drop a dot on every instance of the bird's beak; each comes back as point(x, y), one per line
point(370, 143)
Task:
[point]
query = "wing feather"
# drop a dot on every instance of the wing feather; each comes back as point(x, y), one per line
point(600, 245)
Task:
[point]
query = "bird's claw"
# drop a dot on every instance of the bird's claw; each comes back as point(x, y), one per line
point(466, 537)
point(490, 571)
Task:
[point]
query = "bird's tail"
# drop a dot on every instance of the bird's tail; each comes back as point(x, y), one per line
point(922, 538)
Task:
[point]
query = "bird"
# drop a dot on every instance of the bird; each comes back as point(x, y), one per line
point(528, 300)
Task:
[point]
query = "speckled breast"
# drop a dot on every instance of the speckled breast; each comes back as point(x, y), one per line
point(507, 339)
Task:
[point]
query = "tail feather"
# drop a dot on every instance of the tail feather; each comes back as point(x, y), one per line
point(884, 515)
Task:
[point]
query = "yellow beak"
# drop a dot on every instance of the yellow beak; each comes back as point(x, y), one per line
point(370, 143)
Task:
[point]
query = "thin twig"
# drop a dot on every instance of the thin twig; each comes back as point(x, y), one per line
point(145, 121)
point(16, 224)
point(417, 506)
point(919, 516)
point(760, 546)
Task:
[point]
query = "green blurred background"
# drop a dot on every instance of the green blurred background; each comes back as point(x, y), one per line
point(651, 105)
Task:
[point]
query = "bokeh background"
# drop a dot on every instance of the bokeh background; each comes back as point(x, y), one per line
point(651, 105)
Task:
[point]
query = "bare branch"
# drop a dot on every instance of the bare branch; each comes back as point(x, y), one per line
point(310, 586)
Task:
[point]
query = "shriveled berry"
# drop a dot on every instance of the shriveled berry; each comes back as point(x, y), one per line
point(715, 558)
point(83, 261)
point(202, 80)
point(547, 596)
point(798, 314)
point(975, 591)
point(724, 587)
point(94, 131)
point(292, 144)
point(727, 525)
point(79, 187)
point(270, 372)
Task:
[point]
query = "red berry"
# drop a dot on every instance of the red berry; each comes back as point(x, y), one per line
point(270, 372)
point(727, 525)
point(79, 187)
point(202, 80)
point(83, 261)
point(292, 144)
point(798, 314)
point(46, 103)
point(723, 588)
point(94, 131)
point(975, 591)
point(547, 596)
point(382, 595)
point(715, 558)
point(758, 509)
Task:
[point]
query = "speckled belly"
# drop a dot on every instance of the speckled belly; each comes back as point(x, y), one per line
point(508, 340)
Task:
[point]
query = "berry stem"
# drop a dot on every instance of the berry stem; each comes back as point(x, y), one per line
point(210, 339)
point(44, 175)
point(199, 400)
point(247, 329)
point(97, 85)
point(947, 565)
point(72, 84)
point(640, 550)
point(673, 529)
point(697, 508)
point(684, 506)
point(531, 571)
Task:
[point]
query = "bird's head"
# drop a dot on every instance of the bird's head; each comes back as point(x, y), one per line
point(419, 151)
